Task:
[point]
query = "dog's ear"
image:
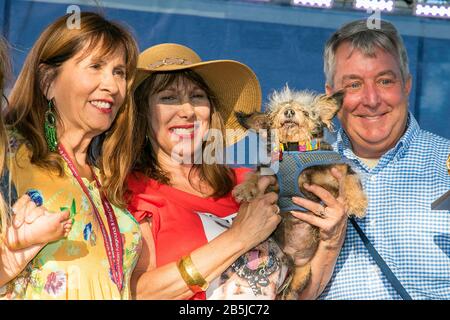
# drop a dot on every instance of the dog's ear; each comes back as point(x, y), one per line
point(339, 97)
point(254, 121)
point(329, 106)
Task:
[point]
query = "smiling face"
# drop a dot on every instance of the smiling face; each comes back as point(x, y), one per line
point(375, 106)
point(88, 91)
point(179, 118)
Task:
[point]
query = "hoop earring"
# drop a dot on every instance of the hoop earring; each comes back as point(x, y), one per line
point(50, 127)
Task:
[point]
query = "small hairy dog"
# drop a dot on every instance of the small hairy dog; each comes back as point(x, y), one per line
point(299, 117)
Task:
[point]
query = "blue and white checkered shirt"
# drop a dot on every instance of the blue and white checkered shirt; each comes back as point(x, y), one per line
point(412, 239)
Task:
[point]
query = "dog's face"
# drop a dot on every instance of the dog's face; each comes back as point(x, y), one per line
point(298, 116)
point(293, 121)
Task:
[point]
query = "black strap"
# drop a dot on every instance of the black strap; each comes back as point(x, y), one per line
point(381, 263)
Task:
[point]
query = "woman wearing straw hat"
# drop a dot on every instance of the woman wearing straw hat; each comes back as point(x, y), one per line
point(184, 205)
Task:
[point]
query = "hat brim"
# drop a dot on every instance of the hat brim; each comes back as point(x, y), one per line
point(234, 84)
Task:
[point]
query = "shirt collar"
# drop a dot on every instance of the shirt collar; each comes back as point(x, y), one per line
point(344, 146)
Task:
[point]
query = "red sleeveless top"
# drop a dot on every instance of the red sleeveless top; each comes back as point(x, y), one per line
point(177, 226)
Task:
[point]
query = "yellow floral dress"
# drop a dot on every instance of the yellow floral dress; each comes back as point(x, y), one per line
point(75, 267)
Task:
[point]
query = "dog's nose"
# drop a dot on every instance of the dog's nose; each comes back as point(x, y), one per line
point(289, 113)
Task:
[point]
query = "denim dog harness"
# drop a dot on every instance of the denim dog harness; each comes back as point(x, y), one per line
point(290, 168)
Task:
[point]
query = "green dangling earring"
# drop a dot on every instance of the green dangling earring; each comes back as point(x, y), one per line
point(50, 127)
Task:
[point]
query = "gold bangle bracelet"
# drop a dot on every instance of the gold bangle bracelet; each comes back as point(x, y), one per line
point(193, 279)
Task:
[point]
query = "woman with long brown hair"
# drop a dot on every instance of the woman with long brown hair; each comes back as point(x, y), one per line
point(25, 228)
point(70, 148)
point(183, 203)
point(4, 72)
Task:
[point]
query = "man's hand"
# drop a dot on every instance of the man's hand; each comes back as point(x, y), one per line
point(331, 219)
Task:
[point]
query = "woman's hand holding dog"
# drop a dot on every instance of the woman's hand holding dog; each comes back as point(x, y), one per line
point(258, 218)
point(330, 218)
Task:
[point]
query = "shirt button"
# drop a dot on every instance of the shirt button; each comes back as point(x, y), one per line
point(373, 178)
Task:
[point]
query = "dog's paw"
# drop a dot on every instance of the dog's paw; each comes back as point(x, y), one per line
point(245, 192)
point(298, 281)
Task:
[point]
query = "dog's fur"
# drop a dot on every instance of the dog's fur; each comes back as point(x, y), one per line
point(299, 116)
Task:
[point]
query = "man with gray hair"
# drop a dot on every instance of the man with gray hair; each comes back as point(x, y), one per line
point(405, 253)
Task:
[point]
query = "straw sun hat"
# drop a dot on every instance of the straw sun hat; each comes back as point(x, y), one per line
point(234, 84)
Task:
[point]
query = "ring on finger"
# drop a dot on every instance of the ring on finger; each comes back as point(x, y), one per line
point(277, 209)
point(321, 213)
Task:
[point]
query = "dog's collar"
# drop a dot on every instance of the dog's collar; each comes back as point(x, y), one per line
point(310, 145)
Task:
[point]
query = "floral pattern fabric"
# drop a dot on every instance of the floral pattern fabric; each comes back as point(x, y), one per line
point(75, 267)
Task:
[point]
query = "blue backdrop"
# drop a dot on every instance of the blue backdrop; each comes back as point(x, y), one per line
point(282, 44)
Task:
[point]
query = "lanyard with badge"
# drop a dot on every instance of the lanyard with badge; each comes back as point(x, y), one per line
point(113, 240)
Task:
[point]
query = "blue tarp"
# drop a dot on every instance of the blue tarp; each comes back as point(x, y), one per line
point(281, 44)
